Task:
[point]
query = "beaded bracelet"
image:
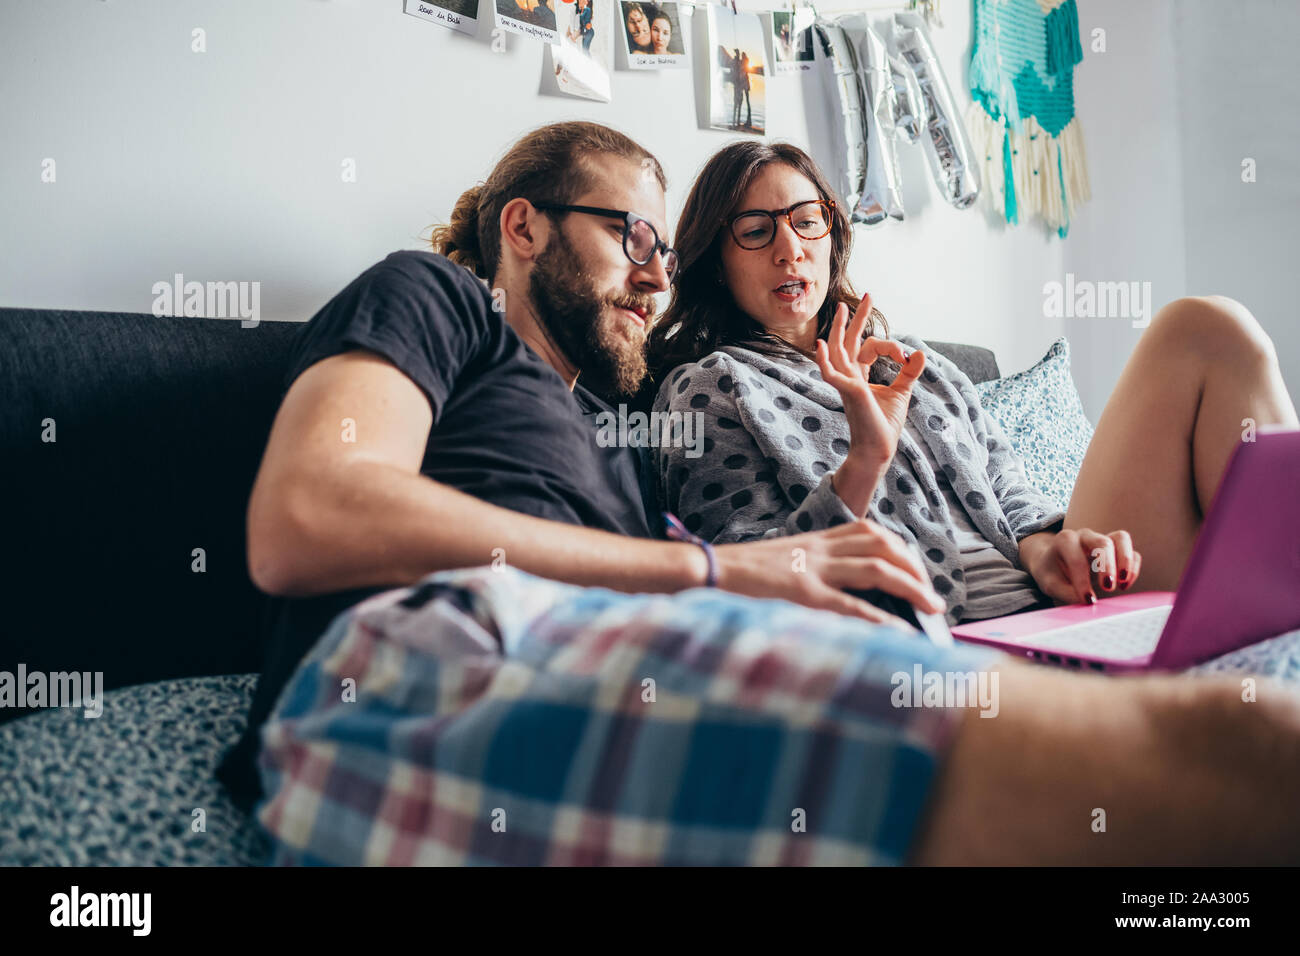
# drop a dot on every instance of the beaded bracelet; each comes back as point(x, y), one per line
point(677, 531)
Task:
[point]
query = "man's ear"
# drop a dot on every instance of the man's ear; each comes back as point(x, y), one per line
point(524, 230)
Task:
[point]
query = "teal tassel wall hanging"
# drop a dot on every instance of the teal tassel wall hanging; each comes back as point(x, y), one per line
point(1022, 119)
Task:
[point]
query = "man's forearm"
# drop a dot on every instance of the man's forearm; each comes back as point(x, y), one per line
point(370, 524)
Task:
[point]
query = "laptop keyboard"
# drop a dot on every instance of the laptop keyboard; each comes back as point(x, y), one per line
point(1123, 636)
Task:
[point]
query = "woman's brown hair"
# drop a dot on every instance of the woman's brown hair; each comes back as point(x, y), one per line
point(551, 164)
point(702, 314)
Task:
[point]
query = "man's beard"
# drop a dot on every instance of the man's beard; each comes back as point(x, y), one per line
point(607, 349)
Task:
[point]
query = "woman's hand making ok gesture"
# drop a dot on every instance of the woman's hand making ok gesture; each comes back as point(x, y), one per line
point(876, 413)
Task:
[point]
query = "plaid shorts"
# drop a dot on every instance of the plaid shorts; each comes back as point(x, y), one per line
point(493, 717)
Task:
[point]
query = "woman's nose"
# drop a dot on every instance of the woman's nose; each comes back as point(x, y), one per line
point(787, 244)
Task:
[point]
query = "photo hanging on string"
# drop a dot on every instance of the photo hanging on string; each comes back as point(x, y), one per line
point(529, 18)
point(458, 15)
point(654, 35)
point(737, 84)
point(792, 45)
point(583, 57)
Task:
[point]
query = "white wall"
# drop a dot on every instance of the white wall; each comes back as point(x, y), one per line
point(1132, 229)
point(1239, 98)
point(1185, 90)
point(226, 165)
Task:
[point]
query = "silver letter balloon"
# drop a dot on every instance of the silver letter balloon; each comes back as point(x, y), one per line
point(847, 103)
point(946, 144)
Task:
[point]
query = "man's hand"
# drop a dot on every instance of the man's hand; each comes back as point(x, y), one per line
point(1070, 566)
point(813, 569)
point(876, 413)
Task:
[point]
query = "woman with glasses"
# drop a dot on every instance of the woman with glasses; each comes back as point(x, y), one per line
point(813, 416)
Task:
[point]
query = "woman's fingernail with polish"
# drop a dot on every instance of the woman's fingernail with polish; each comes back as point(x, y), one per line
point(1107, 583)
point(1092, 598)
point(1123, 575)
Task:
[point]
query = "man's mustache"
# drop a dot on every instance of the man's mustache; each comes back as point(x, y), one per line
point(634, 304)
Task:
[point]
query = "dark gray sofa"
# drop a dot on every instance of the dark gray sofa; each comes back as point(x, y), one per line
point(159, 426)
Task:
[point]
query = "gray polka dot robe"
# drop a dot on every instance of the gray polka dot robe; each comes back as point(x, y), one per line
point(774, 432)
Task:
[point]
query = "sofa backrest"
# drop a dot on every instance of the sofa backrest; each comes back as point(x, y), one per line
point(979, 363)
point(159, 427)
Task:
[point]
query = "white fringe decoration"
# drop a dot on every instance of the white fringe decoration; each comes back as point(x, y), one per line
point(1036, 178)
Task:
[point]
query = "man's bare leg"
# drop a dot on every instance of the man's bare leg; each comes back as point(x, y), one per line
point(1185, 771)
point(1165, 436)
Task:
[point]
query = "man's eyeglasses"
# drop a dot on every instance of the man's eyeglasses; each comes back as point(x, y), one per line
point(756, 228)
point(640, 239)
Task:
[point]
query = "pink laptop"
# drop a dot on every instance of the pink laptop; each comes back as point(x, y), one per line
point(1241, 585)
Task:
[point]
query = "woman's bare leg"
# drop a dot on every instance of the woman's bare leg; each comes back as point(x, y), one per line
point(1202, 367)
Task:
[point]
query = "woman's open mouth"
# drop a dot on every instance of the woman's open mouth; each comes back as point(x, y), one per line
point(790, 291)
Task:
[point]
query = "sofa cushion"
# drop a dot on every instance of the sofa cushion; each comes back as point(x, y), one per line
point(1041, 413)
point(121, 789)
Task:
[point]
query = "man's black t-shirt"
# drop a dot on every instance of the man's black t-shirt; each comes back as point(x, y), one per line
point(506, 429)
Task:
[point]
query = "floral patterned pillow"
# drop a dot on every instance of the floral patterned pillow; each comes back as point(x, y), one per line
point(1041, 413)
